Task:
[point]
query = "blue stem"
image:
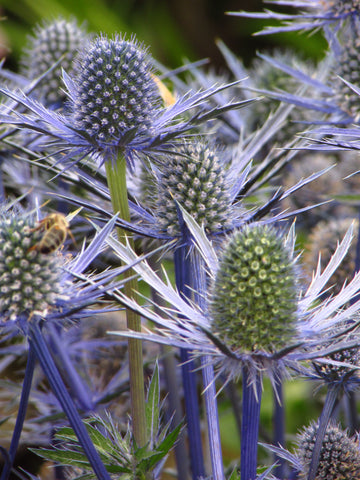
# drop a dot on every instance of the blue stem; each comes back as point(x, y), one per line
point(176, 412)
point(212, 419)
point(76, 384)
point(24, 400)
point(175, 409)
point(351, 412)
point(326, 414)
point(199, 285)
point(250, 425)
point(57, 385)
point(279, 428)
point(189, 374)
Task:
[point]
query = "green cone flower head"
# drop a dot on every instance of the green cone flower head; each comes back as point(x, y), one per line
point(114, 95)
point(29, 279)
point(339, 455)
point(254, 295)
point(58, 40)
point(194, 178)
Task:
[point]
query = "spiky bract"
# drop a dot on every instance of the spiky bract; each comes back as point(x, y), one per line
point(253, 303)
point(339, 455)
point(323, 241)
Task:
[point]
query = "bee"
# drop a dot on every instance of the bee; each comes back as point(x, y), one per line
point(55, 228)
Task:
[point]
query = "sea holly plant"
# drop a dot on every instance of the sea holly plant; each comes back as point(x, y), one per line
point(229, 299)
point(118, 451)
point(301, 325)
point(51, 42)
point(115, 113)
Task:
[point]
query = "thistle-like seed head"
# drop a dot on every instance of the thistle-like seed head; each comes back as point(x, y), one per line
point(29, 279)
point(339, 454)
point(254, 295)
point(52, 42)
point(195, 179)
point(114, 91)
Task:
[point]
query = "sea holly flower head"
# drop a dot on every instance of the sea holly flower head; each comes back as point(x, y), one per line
point(53, 43)
point(37, 280)
point(193, 177)
point(255, 264)
point(339, 454)
point(344, 372)
point(322, 241)
point(113, 94)
point(346, 67)
point(29, 279)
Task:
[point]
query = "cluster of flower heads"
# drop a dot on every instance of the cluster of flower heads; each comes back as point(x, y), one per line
point(329, 84)
point(254, 310)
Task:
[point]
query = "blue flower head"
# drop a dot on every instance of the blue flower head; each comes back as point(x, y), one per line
point(113, 95)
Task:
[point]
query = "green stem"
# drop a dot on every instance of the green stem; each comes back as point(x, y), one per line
point(116, 178)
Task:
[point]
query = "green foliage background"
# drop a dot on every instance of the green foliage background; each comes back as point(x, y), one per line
point(174, 30)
